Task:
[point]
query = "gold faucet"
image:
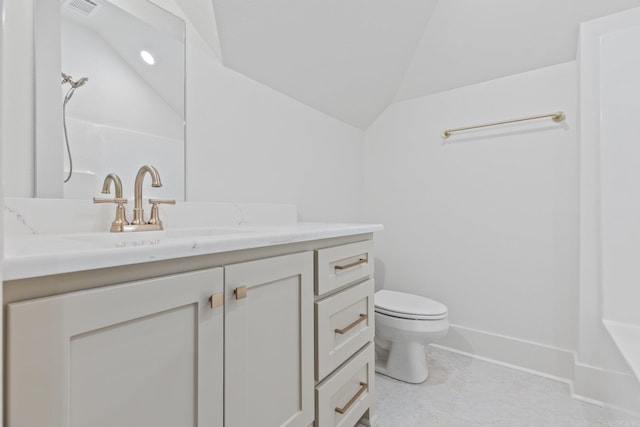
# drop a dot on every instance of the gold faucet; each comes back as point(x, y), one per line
point(138, 223)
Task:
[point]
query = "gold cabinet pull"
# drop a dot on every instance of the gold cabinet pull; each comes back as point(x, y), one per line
point(240, 292)
point(216, 300)
point(350, 265)
point(361, 319)
point(363, 388)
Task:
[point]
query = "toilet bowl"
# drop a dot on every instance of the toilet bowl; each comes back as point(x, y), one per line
point(405, 323)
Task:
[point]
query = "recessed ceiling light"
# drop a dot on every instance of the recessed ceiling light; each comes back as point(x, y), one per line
point(147, 57)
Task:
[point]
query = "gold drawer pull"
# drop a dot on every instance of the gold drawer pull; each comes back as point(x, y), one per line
point(216, 300)
point(353, 264)
point(363, 388)
point(240, 292)
point(361, 319)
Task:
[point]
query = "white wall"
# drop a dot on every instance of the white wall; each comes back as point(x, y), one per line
point(261, 146)
point(245, 141)
point(485, 221)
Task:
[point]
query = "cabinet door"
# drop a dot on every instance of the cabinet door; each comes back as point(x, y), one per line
point(145, 354)
point(269, 342)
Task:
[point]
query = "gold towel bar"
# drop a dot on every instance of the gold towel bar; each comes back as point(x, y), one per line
point(556, 117)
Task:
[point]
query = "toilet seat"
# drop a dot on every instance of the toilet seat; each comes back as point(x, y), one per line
point(406, 306)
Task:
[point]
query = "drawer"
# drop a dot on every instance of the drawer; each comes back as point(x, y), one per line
point(344, 324)
point(340, 265)
point(344, 397)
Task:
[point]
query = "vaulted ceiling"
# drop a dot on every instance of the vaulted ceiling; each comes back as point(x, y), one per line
point(352, 58)
point(470, 41)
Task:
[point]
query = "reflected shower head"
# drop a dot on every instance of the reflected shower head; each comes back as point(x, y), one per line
point(66, 78)
point(79, 82)
point(74, 85)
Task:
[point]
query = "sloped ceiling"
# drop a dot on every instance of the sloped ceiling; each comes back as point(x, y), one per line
point(200, 14)
point(343, 57)
point(352, 58)
point(468, 41)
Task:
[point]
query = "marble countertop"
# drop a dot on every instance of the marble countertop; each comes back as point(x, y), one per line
point(46, 254)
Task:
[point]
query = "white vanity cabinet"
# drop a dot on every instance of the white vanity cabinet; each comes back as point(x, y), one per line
point(235, 339)
point(344, 328)
point(144, 353)
point(269, 342)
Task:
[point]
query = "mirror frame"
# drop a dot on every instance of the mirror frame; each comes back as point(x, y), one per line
point(49, 157)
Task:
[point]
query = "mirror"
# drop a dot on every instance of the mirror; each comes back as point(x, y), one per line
point(121, 101)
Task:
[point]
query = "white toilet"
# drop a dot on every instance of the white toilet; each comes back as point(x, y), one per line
point(405, 323)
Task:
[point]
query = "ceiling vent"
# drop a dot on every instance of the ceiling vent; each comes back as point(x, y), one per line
point(84, 7)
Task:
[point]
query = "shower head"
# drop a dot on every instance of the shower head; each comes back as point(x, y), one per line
point(74, 85)
point(66, 78)
point(79, 82)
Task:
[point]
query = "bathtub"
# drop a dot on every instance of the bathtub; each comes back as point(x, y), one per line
point(626, 337)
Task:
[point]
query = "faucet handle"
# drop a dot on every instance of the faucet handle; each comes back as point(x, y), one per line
point(155, 215)
point(117, 200)
point(158, 201)
point(121, 220)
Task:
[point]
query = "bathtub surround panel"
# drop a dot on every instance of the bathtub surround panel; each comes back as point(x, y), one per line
point(620, 386)
point(485, 221)
point(620, 203)
point(609, 228)
point(98, 151)
point(627, 339)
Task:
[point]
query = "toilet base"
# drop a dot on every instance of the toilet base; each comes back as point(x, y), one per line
point(406, 362)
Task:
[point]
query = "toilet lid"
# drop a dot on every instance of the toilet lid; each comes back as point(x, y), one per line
point(399, 304)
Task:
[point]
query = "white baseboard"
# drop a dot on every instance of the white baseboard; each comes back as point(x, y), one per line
point(539, 359)
point(587, 384)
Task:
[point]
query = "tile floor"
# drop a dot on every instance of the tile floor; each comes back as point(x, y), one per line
point(466, 392)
